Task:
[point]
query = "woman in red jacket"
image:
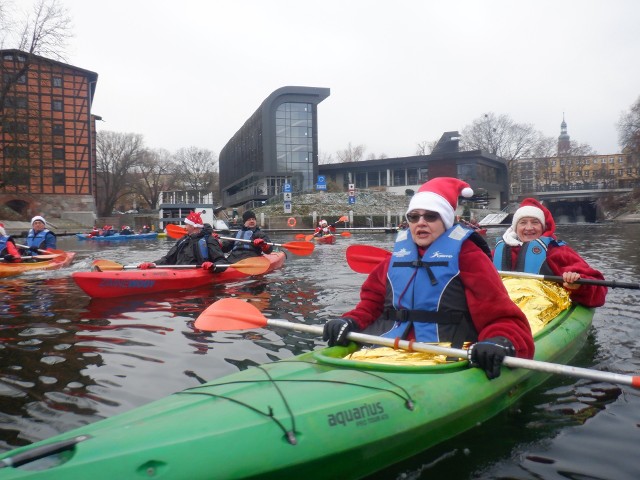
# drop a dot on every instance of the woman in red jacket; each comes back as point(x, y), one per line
point(439, 285)
point(530, 245)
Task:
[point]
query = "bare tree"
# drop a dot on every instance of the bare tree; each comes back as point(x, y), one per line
point(44, 31)
point(351, 154)
point(197, 167)
point(377, 156)
point(156, 172)
point(325, 158)
point(425, 147)
point(629, 128)
point(118, 154)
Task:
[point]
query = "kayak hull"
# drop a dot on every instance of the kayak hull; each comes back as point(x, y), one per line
point(117, 237)
point(326, 239)
point(120, 283)
point(316, 415)
point(8, 269)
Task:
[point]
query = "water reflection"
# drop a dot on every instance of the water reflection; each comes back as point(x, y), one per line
point(66, 360)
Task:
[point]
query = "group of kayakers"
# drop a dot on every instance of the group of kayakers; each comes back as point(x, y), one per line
point(202, 246)
point(39, 240)
point(441, 283)
point(109, 230)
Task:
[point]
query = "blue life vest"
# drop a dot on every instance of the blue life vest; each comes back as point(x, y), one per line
point(426, 292)
point(203, 250)
point(38, 240)
point(243, 235)
point(532, 256)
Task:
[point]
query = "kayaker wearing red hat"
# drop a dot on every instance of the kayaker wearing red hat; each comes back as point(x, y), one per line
point(8, 250)
point(530, 245)
point(199, 246)
point(440, 286)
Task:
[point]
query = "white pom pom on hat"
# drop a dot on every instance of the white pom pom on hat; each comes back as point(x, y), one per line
point(441, 195)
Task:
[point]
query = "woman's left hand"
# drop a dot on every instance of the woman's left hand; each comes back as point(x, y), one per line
point(569, 280)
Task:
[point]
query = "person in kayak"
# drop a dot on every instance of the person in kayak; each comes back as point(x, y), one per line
point(324, 228)
point(200, 246)
point(8, 250)
point(530, 245)
point(39, 237)
point(439, 285)
point(259, 241)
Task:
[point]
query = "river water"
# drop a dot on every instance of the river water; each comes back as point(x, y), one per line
point(67, 360)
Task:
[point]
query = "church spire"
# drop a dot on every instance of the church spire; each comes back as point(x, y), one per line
point(564, 141)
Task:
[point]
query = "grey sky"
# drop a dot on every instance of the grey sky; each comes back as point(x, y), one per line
point(189, 73)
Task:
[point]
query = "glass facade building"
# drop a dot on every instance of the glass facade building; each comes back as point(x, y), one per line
point(278, 144)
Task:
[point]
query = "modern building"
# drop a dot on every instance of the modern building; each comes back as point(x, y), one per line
point(486, 173)
point(47, 136)
point(278, 144)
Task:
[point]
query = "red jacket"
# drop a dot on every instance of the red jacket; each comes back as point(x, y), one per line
point(493, 313)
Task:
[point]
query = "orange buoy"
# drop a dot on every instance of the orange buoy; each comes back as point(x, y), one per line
point(291, 222)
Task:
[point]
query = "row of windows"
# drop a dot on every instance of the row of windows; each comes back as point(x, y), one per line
point(587, 161)
point(10, 126)
point(399, 177)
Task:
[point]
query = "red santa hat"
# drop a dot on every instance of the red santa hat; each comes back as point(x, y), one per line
point(530, 207)
point(441, 195)
point(2, 230)
point(194, 219)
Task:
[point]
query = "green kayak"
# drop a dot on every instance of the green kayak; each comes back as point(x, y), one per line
point(316, 415)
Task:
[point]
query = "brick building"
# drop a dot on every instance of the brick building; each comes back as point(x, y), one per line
point(47, 136)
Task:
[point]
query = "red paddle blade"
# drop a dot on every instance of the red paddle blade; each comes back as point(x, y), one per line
point(345, 234)
point(299, 248)
point(175, 231)
point(230, 314)
point(364, 258)
point(300, 236)
point(343, 218)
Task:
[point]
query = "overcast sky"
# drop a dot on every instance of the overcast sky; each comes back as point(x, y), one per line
point(190, 72)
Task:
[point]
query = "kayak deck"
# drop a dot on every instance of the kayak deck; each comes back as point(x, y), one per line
point(117, 237)
point(120, 283)
point(317, 415)
point(63, 259)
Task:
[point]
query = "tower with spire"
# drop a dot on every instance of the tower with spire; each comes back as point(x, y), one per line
point(564, 141)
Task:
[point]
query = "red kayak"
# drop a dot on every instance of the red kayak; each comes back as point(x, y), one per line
point(123, 282)
point(328, 239)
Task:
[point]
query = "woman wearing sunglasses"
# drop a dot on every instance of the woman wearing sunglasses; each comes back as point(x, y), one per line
point(440, 286)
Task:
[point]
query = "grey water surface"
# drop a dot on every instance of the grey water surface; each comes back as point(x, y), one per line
point(67, 360)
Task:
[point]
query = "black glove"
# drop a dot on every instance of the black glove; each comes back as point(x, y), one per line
point(34, 250)
point(8, 257)
point(335, 331)
point(489, 354)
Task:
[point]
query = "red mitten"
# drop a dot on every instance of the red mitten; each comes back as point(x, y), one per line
point(146, 265)
point(207, 265)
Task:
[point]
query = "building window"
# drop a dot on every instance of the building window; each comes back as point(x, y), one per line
point(611, 172)
point(620, 171)
point(553, 163)
point(58, 153)
point(58, 179)
point(58, 129)
point(629, 171)
point(604, 160)
point(22, 79)
point(57, 82)
point(611, 160)
point(399, 178)
point(595, 161)
point(57, 105)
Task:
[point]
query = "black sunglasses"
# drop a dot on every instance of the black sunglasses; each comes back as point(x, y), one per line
point(428, 217)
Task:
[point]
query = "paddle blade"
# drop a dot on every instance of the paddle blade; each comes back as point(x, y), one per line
point(345, 234)
point(252, 265)
point(175, 231)
point(308, 238)
point(300, 236)
point(343, 218)
point(106, 265)
point(299, 248)
point(364, 258)
point(230, 314)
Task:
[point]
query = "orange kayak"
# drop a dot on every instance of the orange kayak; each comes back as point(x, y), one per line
point(60, 259)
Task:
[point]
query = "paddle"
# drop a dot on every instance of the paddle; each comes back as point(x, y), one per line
point(297, 248)
point(33, 257)
point(250, 266)
point(236, 314)
point(364, 258)
point(583, 281)
point(47, 252)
